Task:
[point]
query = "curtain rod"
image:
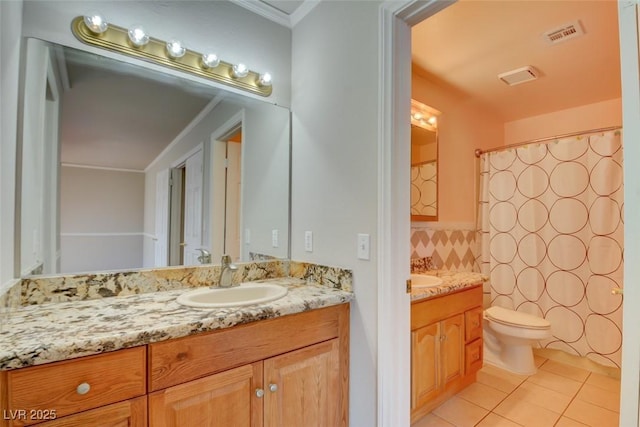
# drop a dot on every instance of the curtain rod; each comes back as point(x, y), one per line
point(480, 152)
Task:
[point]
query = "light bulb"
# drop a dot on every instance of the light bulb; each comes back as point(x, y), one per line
point(265, 79)
point(95, 22)
point(417, 116)
point(432, 120)
point(138, 36)
point(240, 70)
point(210, 60)
point(175, 49)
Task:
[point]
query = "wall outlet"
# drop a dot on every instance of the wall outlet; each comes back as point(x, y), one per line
point(364, 250)
point(308, 241)
point(274, 238)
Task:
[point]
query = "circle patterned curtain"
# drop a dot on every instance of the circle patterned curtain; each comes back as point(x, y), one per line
point(551, 228)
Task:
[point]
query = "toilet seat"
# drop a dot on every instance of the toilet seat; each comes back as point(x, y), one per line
point(514, 318)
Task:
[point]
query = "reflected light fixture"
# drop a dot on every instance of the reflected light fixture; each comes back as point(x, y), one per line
point(94, 30)
point(138, 36)
point(175, 49)
point(239, 70)
point(95, 22)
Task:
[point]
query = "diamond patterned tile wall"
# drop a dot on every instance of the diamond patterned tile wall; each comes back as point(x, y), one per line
point(452, 250)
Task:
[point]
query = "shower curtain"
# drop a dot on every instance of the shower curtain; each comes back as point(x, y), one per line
point(551, 232)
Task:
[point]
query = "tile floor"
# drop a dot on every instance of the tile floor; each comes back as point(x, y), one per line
point(558, 395)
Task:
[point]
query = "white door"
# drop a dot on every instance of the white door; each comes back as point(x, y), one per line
point(232, 202)
point(161, 246)
point(193, 208)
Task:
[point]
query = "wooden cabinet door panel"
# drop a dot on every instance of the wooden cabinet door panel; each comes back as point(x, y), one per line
point(452, 348)
point(220, 400)
point(307, 387)
point(425, 344)
point(130, 413)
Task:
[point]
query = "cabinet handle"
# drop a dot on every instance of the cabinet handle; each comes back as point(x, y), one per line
point(83, 388)
point(259, 392)
point(273, 388)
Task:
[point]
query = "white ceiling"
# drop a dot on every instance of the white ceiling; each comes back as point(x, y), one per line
point(465, 46)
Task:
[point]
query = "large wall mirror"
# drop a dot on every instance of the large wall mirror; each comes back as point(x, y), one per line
point(124, 167)
point(424, 162)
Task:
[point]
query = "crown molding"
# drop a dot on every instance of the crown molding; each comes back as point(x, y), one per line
point(266, 11)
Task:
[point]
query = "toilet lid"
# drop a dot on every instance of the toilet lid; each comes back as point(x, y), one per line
point(516, 318)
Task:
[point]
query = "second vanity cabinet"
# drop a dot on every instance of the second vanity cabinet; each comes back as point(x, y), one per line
point(446, 347)
point(285, 371)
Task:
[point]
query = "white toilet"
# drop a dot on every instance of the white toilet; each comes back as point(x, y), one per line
point(509, 336)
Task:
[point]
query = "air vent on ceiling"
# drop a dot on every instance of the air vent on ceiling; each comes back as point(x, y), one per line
point(520, 75)
point(568, 31)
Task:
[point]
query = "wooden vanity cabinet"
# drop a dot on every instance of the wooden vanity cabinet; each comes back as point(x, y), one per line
point(446, 347)
point(288, 371)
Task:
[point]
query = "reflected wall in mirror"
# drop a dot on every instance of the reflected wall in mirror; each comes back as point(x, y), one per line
point(424, 162)
point(125, 167)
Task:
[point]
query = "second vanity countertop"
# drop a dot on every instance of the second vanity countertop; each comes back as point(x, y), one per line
point(451, 281)
point(50, 332)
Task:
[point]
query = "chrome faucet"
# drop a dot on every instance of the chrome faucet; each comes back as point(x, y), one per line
point(226, 272)
point(205, 256)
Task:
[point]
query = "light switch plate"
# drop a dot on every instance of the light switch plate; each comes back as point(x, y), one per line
point(274, 238)
point(364, 250)
point(308, 241)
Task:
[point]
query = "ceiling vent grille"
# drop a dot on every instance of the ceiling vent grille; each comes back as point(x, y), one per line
point(521, 75)
point(565, 32)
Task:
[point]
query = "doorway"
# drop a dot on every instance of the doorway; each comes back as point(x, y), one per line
point(396, 23)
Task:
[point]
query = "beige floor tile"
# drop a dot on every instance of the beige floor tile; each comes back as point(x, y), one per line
point(526, 413)
point(568, 422)
point(591, 415)
point(565, 370)
point(605, 382)
point(493, 420)
point(542, 396)
point(556, 382)
point(483, 395)
point(600, 397)
point(499, 379)
point(460, 412)
point(431, 420)
point(538, 360)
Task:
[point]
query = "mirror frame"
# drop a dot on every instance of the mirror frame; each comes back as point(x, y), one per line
point(426, 117)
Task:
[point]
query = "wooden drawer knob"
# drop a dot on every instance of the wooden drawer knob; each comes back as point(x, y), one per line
point(83, 388)
point(273, 388)
point(259, 392)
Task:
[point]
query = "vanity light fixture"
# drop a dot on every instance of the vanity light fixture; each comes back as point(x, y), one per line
point(424, 116)
point(264, 80)
point(94, 30)
point(239, 71)
point(210, 60)
point(95, 22)
point(137, 36)
point(175, 49)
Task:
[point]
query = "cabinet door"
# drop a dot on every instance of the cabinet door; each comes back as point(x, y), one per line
point(452, 352)
point(220, 400)
point(302, 388)
point(425, 376)
point(130, 413)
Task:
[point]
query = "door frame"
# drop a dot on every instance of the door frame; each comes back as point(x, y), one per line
point(394, 52)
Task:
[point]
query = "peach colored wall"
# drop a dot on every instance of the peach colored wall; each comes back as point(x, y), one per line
point(462, 128)
point(583, 118)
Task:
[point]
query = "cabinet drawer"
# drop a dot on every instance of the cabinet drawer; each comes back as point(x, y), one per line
point(473, 357)
point(77, 385)
point(473, 324)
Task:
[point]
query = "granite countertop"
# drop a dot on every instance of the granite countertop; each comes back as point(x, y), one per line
point(43, 333)
point(451, 281)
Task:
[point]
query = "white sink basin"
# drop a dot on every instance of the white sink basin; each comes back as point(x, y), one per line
point(245, 294)
point(424, 281)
